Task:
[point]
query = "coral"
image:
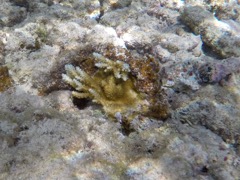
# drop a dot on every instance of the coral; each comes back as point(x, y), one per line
point(111, 86)
point(128, 84)
point(119, 68)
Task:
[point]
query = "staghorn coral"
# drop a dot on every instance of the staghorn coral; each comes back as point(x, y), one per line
point(111, 86)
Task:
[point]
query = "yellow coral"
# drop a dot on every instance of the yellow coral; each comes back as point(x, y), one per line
point(111, 86)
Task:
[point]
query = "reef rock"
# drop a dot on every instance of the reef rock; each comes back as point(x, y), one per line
point(171, 58)
point(221, 36)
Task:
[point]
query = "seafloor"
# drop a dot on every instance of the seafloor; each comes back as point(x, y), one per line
point(184, 60)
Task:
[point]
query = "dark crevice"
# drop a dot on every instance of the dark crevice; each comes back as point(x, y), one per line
point(208, 51)
point(204, 170)
point(80, 103)
point(101, 11)
point(126, 128)
point(21, 3)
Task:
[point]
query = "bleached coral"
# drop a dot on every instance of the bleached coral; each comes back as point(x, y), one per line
point(110, 86)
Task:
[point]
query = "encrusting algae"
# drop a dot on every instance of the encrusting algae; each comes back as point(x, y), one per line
point(115, 86)
point(5, 79)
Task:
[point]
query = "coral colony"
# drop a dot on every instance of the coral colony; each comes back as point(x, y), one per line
point(112, 86)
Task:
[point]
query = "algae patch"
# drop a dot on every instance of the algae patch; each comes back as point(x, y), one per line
point(5, 79)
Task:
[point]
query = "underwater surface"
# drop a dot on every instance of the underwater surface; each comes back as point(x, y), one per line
point(119, 89)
